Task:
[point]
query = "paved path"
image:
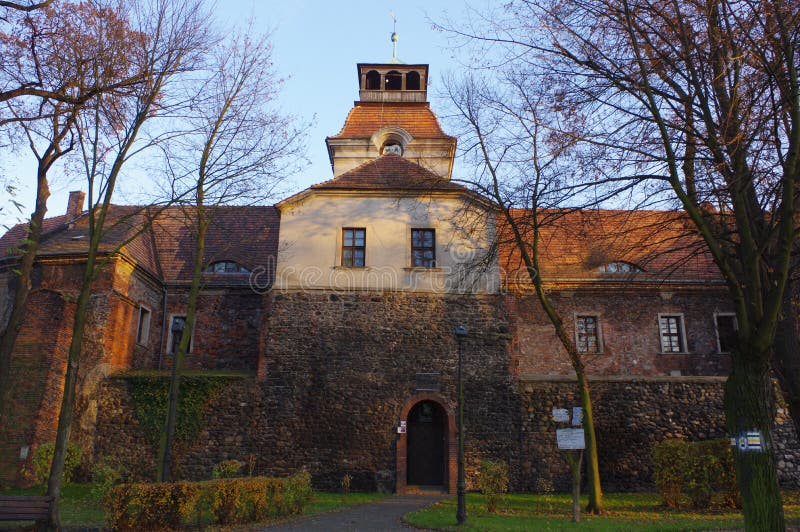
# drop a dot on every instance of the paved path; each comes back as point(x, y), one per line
point(382, 515)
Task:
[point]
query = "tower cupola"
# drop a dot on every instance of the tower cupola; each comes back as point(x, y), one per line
point(392, 82)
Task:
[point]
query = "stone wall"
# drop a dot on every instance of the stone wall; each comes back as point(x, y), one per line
point(339, 369)
point(251, 418)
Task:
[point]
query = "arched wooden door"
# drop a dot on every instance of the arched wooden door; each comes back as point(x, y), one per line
point(426, 447)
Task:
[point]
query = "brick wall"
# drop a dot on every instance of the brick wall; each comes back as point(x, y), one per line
point(629, 329)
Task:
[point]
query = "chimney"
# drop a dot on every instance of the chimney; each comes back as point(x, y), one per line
point(75, 204)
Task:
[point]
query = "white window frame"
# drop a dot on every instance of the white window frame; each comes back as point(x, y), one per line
point(716, 328)
point(682, 333)
point(598, 323)
point(143, 338)
point(169, 335)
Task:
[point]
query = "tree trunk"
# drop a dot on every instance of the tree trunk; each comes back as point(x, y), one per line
point(23, 288)
point(595, 505)
point(68, 400)
point(748, 407)
point(787, 348)
point(183, 348)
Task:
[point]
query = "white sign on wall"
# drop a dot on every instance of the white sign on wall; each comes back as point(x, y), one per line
point(570, 439)
point(561, 415)
point(577, 416)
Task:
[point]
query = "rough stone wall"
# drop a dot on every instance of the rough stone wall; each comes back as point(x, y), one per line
point(629, 325)
point(226, 334)
point(631, 416)
point(250, 418)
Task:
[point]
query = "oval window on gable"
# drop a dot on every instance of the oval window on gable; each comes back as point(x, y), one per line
point(619, 267)
point(226, 266)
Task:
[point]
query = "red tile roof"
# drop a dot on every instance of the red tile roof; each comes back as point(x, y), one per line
point(165, 247)
point(389, 172)
point(368, 117)
point(574, 244)
point(13, 238)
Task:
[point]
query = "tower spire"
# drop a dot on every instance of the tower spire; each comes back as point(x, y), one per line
point(394, 58)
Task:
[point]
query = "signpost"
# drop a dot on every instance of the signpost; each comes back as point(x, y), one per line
point(572, 440)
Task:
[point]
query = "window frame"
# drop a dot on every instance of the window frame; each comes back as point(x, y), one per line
point(598, 332)
point(423, 248)
point(353, 248)
point(168, 349)
point(716, 329)
point(684, 347)
point(240, 269)
point(142, 339)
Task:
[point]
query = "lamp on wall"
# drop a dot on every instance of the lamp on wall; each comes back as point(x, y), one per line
point(461, 511)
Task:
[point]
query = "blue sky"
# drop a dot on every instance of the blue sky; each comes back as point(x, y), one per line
point(316, 45)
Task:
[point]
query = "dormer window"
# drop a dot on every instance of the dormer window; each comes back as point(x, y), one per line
point(392, 148)
point(226, 266)
point(619, 267)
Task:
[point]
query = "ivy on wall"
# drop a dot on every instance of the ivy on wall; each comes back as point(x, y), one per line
point(150, 395)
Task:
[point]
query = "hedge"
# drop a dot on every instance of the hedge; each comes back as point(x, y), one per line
point(697, 469)
point(170, 505)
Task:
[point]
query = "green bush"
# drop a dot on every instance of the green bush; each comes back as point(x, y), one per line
point(493, 482)
point(698, 468)
point(227, 469)
point(224, 501)
point(43, 459)
point(107, 473)
point(668, 459)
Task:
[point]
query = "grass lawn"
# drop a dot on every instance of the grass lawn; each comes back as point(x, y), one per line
point(554, 512)
point(81, 506)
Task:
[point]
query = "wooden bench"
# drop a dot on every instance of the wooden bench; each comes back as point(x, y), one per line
point(25, 508)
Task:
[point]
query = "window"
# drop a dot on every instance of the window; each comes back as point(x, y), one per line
point(392, 148)
point(226, 266)
point(727, 335)
point(619, 267)
point(393, 81)
point(670, 327)
point(412, 81)
point(373, 81)
point(177, 324)
point(587, 334)
point(423, 248)
point(143, 326)
point(353, 245)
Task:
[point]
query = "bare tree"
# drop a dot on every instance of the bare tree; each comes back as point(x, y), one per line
point(108, 136)
point(80, 47)
point(698, 102)
point(237, 149)
point(502, 139)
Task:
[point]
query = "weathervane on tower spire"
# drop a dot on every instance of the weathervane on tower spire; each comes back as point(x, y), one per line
point(394, 38)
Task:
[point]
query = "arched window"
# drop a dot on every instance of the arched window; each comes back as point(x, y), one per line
point(373, 81)
point(619, 267)
point(412, 81)
point(226, 266)
point(394, 81)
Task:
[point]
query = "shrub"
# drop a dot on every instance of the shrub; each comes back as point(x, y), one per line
point(156, 506)
point(298, 492)
point(668, 459)
point(227, 469)
point(43, 459)
point(346, 481)
point(699, 468)
point(107, 473)
point(493, 482)
point(224, 501)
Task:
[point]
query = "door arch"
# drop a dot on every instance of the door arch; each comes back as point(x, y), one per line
point(426, 452)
